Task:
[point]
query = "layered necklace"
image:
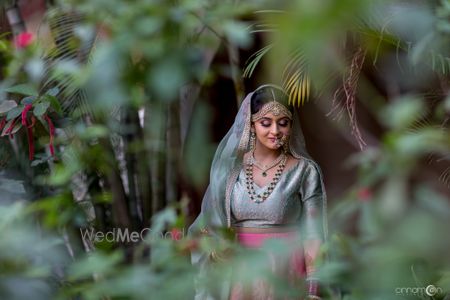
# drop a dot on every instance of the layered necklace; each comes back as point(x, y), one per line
point(258, 198)
point(265, 168)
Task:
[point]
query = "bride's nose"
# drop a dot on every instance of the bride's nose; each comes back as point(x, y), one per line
point(274, 129)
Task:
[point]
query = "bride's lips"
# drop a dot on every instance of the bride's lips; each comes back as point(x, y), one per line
point(273, 140)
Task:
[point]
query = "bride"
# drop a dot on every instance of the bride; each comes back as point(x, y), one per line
point(264, 185)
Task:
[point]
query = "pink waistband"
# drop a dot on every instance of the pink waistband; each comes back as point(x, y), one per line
point(256, 240)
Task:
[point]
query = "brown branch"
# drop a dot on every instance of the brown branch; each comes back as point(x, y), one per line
point(349, 89)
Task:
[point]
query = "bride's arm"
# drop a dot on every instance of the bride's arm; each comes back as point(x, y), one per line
point(313, 198)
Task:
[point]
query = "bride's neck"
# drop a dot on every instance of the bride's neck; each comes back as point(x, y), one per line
point(264, 154)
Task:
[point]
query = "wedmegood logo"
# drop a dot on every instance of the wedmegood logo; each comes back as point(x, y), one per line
point(119, 235)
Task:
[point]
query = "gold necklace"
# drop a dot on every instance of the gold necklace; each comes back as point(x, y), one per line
point(258, 198)
point(265, 168)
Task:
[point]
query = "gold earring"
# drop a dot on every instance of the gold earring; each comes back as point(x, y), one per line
point(252, 140)
point(285, 142)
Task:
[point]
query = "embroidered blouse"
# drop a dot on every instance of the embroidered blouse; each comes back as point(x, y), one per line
point(295, 201)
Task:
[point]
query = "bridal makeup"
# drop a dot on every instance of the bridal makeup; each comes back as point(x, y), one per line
point(270, 130)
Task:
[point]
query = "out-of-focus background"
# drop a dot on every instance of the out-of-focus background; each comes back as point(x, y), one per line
point(110, 113)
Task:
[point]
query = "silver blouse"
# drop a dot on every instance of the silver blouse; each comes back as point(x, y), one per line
point(295, 201)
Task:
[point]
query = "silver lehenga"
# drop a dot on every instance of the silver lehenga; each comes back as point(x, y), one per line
point(298, 199)
point(295, 201)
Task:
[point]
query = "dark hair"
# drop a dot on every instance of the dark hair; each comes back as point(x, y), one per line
point(266, 94)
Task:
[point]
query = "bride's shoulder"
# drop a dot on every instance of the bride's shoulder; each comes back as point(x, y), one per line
point(310, 166)
point(304, 164)
point(291, 161)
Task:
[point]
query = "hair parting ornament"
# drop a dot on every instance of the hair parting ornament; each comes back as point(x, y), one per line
point(276, 108)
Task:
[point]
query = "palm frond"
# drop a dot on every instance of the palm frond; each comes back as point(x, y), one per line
point(258, 28)
point(420, 51)
point(270, 11)
point(295, 79)
point(254, 60)
point(445, 177)
point(67, 50)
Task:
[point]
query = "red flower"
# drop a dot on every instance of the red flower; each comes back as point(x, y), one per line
point(176, 234)
point(365, 194)
point(24, 114)
point(24, 39)
point(51, 128)
point(2, 123)
point(33, 121)
point(29, 130)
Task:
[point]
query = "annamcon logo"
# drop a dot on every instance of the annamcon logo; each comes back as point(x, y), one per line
point(430, 290)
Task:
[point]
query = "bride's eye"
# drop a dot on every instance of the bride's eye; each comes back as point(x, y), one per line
point(265, 123)
point(283, 123)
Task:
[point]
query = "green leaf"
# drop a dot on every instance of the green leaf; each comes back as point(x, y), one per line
point(447, 104)
point(254, 60)
point(420, 48)
point(97, 262)
point(7, 105)
point(237, 33)
point(4, 35)
point(43, 122)
point(53, 91)
point(15, 129)
point(37, 162)
point(403, 112)
point(54, 103)
point(23, 89)
point(7, 125)
point(28, 100)
point(93, 132)
point(3, 46)
point(15, 112)
point(41, 108)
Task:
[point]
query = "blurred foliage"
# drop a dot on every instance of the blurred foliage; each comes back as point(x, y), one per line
point(116, 170)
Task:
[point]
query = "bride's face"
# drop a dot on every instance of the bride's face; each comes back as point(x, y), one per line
point(270, 129)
